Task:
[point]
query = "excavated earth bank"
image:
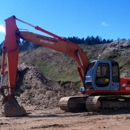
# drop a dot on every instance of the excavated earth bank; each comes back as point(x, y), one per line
point(34, 89)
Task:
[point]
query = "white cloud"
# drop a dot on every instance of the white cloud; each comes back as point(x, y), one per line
point(105, 24)
point(2, 28)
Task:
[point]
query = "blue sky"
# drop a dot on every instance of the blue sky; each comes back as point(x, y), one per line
point(81, 18)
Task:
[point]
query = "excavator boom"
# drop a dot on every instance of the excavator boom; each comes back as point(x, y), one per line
point(11, 49)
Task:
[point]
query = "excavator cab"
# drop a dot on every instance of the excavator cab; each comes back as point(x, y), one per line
point(102, 75)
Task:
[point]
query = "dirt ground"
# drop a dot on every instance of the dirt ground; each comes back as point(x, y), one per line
point(40, 97)
point(56, 119)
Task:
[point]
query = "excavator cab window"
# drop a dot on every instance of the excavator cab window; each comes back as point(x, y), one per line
point(103, 75)
point(115, 72)
point(88, 76)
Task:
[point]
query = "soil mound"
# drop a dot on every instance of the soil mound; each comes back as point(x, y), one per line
point(33, 88)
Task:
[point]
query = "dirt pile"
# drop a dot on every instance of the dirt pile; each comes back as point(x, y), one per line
point(33, 88)
point(116, 46)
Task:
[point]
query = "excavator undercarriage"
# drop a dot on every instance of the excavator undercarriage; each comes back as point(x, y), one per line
point(98, 103)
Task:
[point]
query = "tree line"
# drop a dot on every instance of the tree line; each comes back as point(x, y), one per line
point(89, 40)
point(25, 45)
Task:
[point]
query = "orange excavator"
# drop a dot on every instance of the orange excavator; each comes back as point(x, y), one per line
point(102, 86)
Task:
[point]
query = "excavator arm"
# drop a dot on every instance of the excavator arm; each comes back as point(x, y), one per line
point(11, 49)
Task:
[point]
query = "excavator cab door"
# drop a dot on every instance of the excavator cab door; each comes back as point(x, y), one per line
point(105, 76)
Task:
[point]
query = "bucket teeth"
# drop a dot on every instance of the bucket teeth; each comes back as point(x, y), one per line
point(13, 109)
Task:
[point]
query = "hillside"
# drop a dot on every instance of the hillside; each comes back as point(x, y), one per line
point(45, 76)
point(61, 67)
point(55, 65)
point(119, 51)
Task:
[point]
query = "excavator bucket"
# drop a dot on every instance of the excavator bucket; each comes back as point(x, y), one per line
point(13, 109)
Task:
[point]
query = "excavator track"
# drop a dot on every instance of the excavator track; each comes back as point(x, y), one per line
point(93, 103)
point(73, 103)
point(13, 109)
point(108, 103)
